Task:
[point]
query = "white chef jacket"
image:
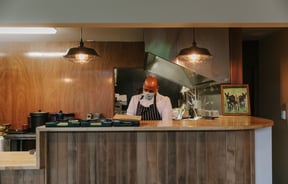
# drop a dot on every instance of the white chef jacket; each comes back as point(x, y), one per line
point(163, 104)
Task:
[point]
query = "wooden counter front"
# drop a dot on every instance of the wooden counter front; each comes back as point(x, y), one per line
point(185, 151)
point(182, 151)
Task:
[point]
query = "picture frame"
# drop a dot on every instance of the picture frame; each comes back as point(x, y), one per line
point(235, 99)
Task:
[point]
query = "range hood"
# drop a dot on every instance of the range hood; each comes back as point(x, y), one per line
point(173, 72)
point(163, 45)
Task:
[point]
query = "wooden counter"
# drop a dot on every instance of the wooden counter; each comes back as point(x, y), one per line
point(183, 151)
point(17, 160)
point(221, 123)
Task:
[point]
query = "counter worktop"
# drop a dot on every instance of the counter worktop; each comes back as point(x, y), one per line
point(16, 160)
point(220, 123)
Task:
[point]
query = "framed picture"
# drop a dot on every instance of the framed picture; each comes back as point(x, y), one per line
point(235, 99)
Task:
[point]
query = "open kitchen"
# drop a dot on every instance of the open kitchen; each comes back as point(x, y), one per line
point(41, 94)
point(86, 141)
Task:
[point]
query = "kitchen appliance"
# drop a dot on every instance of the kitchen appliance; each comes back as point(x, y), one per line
point(91, 116)
point(61, 116)
point(37, 119)
point(168, 70)
point(1, 143)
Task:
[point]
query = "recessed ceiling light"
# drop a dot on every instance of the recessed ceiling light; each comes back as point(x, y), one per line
point(27, 30)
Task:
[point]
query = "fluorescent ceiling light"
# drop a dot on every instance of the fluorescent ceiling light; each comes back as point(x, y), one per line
point(27, 30)
point(2, 54)
point(45, 54)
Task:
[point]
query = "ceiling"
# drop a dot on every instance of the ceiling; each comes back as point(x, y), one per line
point(113, 34)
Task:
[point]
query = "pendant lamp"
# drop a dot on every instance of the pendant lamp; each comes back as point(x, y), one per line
point(193, 54)
point(81, 54)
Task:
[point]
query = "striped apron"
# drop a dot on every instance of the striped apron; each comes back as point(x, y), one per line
point(148, 113)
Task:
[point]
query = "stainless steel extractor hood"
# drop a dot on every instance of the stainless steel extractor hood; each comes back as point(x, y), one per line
point(173, 72)
point(166, 44)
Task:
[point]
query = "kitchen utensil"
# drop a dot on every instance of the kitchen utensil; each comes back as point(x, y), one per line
point(37, 119)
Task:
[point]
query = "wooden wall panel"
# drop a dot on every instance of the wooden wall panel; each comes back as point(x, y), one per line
point(22, 177)
point(151, 157)
point(236, 66)
point(53, 84)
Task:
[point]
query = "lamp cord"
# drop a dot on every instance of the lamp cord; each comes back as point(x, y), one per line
point(81, 40)
point(194, 42)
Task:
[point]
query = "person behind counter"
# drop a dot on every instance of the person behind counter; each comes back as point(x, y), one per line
point(150, 104)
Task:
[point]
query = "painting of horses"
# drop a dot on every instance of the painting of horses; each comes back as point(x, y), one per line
point(235, 99)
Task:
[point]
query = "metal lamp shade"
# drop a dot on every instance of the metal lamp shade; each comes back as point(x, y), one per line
point(194, 54)
point(81, 54)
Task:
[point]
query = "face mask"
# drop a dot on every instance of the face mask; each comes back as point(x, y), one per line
point(148, 96)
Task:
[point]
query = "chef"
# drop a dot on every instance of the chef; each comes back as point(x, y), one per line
point(150, 105)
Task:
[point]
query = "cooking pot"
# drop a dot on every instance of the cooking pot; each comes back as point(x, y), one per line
point(37, 119)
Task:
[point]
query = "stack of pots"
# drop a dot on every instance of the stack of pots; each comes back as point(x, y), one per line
point(37, 119)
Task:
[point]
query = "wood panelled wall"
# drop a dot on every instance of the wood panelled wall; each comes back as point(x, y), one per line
point(36, 176)
point(236, 68)
point(52, 84)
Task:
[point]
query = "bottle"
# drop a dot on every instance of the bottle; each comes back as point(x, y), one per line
point(59, 115)
point(283, 111)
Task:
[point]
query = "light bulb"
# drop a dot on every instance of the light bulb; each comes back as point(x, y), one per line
point(81, 58)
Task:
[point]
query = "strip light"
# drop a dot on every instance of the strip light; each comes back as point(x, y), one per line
point(2, 54)
point(45, 54)
point(27, 30)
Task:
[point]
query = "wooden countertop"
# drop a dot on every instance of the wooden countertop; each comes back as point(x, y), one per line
point(220, 123)
point(17, 160)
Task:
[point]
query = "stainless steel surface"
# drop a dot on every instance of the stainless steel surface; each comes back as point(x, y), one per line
point(166, 44)
point(173, 72)
point(20, 142)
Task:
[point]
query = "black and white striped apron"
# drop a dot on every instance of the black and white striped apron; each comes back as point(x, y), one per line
point(148, 113)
